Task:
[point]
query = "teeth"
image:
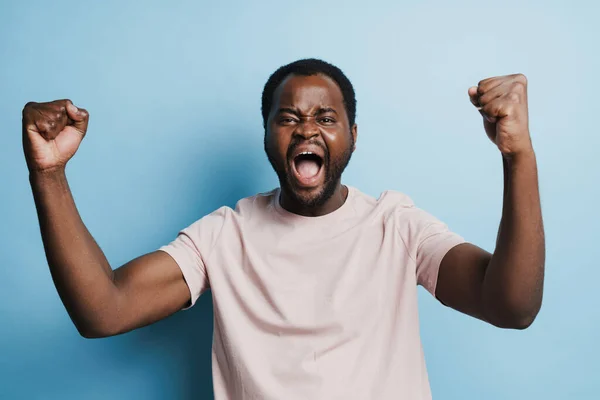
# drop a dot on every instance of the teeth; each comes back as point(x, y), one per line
point(307, 153)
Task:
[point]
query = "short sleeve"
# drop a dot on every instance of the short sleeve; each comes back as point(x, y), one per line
point(434, 240)
point(191, 249)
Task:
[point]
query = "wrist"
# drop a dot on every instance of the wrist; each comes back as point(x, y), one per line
point(48, 175)
point(524, 155)
point(521, 161)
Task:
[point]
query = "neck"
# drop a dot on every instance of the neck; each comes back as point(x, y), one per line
point(333, 203)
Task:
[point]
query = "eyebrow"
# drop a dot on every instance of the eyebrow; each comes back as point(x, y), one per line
point(322, 110)
point(326, 110)
point(288, 110)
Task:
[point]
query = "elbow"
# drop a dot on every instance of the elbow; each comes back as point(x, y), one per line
point(517, 322)
point(97, 322)
point(518, 318)
point(92, 334)
point(521, 322)
point(96, 330)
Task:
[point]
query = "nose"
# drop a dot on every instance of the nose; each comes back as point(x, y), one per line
point(307, 129)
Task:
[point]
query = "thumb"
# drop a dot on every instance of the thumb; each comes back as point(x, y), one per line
point(79, 116)
point(474, 97)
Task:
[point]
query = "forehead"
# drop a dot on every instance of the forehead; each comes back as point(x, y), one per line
point(305, 92)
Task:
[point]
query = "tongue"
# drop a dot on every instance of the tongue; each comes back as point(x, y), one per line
point(307, 168)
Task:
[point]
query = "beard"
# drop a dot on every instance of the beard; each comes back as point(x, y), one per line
point(333, 174)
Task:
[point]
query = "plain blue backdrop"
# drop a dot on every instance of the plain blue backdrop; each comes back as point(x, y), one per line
point(173, 91)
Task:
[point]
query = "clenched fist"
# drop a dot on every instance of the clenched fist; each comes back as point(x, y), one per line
point(52, 133)
point(502, 101)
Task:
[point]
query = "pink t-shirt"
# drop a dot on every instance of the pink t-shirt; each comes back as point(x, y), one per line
point(315, 307)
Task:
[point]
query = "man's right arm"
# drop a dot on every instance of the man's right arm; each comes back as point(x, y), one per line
point(101, 302)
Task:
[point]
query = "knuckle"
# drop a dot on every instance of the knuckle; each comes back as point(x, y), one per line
point(29, 106)
point(521, 78)
point(520, 87)
point(513, 97)
point(485, 83)
point(62, 102)
point(60, 105)
point(509, 108)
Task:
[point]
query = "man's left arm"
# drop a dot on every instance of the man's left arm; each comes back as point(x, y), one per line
point(504, 288)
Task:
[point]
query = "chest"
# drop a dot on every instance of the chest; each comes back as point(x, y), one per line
point(322, 279)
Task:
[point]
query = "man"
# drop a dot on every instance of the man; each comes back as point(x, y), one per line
point(314, 284)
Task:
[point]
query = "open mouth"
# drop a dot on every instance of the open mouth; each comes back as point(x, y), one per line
point(308, 168)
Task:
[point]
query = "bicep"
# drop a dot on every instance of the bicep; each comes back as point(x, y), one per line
point(460, 279)
point(150, 288)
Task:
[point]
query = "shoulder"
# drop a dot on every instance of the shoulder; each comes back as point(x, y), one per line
point(245, 209)
point(248, 207)
point(208, 229)
point(396, 200)
point(388, 201)
point(397, 208)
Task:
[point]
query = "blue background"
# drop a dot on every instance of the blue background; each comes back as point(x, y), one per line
point(175, 132)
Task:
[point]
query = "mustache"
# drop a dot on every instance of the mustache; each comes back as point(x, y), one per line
point(297, 142)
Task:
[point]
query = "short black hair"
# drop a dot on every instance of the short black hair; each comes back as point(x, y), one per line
point(309, 67)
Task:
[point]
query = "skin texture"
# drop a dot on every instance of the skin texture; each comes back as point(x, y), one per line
point(99, 301)
point(504, 289)
point(309, 110)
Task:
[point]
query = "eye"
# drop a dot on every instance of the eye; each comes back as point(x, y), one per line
point(287, 121)
point(327, 120)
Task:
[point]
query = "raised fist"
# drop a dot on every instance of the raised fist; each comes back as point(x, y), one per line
point(52, 133)
point(502, 101)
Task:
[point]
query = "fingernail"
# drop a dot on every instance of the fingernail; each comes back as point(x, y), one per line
point(74, 107)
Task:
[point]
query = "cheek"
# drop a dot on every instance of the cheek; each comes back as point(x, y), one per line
point(277, 143)
point(337, 142)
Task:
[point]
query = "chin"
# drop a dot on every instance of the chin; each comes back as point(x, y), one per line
point(311, 197)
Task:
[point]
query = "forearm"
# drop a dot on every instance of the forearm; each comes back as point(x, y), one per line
point(513, 283)
point(81, 273)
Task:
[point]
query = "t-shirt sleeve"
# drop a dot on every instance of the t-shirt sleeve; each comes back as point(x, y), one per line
point(192, 248)
point(434, 240)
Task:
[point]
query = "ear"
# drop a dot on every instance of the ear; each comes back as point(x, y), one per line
point(354, 132)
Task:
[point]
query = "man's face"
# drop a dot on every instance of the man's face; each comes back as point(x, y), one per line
point(308, 139)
